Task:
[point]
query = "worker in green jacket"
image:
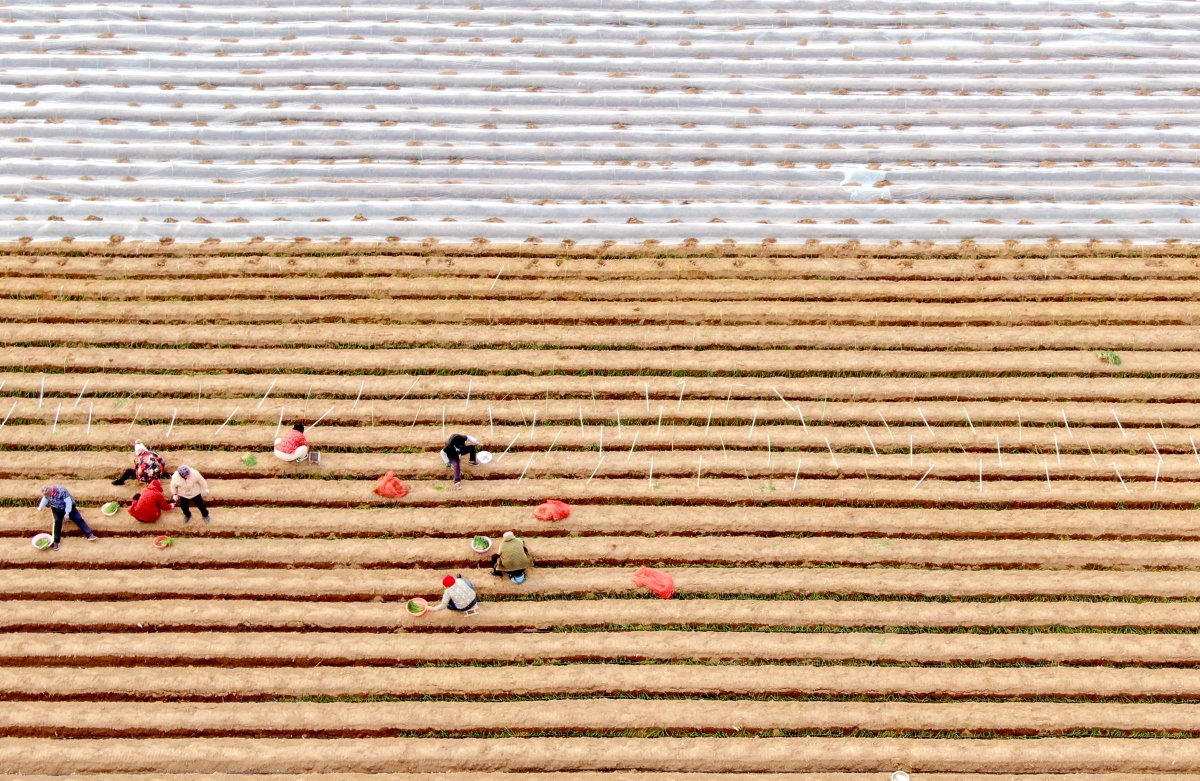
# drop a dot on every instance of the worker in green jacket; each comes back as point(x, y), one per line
point(513, 558)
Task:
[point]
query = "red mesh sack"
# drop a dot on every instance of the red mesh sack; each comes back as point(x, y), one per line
point(552, 510)
point(390, 487)
point(656, 580)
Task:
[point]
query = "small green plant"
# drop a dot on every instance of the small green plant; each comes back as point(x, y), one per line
point(1109, 356)
point(250, 460)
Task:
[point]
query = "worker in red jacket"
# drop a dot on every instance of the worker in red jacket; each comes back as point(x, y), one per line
point(293, 446)
point(148, 506)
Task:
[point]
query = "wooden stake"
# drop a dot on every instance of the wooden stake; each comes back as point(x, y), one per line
point(631, 447)
point(871, 441)
point(768, 451)
point(698, 468)
point(533, 426)
point(1122, 479)
point(268, 393)
point(279, 424)
point(752, 422)
point(802, 423)
point(526, 469)
point(497, 279)
point(927, 471)
point(556, 436)
point(781, 398)
point(969, 423)
point(999, 452)
point(724, 452)
point(42, 391)
point(597, 469)
point(314, 425)
point(410, 387)
point(357, 398)
point(647, 397)
point(582, 433)
point(796, 477)
point(1155, 446)
point(491, 421)
point(56, 414)
point(81, 390)
point(1194, 451)
point(601, 440)
point(911, 461)
point(889, 428)
point(1046, 461)
point(89, 423)
point(679, 403)
point(709, 423)
point(1114, 412)
point(981, 475)
point(470, 383)
point(175, 412)
point(1057, 454)
point(1067, 423)
point(414, 423)
point(959, 441)
point(510, 444)
point(831, 453)
point(231, 414)
point(660, 412)
point(136, 410)
point(931, 432)
point(651, 472)
point(1093, 455)
point(619, 434)
point(1157, 472)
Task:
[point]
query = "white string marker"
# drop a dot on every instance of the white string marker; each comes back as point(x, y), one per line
point(410, 387)
point(868, 433)
point(470, 383)
point(969, 423)
point(314, 425)
point(553, 441)
point(81, 391)
point(175, 412)
point(1122, 479)
point(533, 425)
point(927, 471)
point(42, 392)
point(268, 393)
point(802, 423)
point(497, 279)
point(831, 453)
point(597, 469)
point(414, 423)
point(1046, 462)
point(651, 472)
point(723, 451)
point(89, 424)
point(752, 422)
point(526, 469)
point(1067, 423)
point(931, 432)
point(981, 475)
point(796, 476)
point(9, 415)
point(660, 411)
point(781, 398)
point(491, 421)
point(1057, 454)
point(679, 403)
point(1155, 446)
point(887, 427)
point(582, 433)
point(709, 423)
point(1194, 451)
point(510, 444)
point(699, 467)
point(999, 452)
point(1114, 412)
point(1093, 455)
point(231, 414)
point(1157, 472)
point(56, 414)
point(636, 434)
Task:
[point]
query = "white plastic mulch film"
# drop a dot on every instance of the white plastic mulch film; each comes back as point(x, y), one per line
point(718, 121)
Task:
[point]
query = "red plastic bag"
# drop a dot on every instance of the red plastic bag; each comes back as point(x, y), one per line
point(552, 510)
point(656, 580)
point(390, 487)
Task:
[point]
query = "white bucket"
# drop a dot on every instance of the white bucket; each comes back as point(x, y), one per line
point(47, 539)
point(483, 456)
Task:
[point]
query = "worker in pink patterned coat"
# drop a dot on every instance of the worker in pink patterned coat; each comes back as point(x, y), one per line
point(293, 446)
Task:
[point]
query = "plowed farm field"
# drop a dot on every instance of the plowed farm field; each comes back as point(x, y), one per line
point(931, 513)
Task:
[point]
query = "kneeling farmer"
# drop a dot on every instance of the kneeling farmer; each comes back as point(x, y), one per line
point(148, 506)
point(293, 446)
point(459, 595)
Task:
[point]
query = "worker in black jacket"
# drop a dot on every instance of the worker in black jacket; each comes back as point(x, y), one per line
point(457, 446)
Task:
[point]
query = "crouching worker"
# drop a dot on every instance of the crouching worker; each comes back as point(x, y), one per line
point(187, 485)
point(456, 447)
point(513, 558)
point(148, 506)
point(62, 505)
point(147, 466)
point(293, 446)
point(459, 596)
